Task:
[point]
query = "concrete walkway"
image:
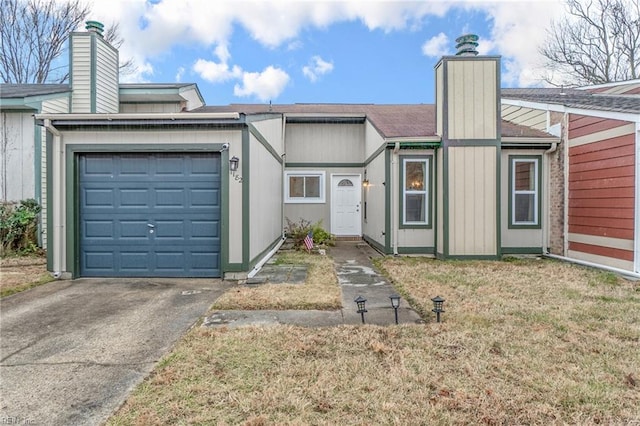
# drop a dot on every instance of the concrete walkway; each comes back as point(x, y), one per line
point(356, 276)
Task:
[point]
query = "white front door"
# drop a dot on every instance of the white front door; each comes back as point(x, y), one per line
point(345, 205)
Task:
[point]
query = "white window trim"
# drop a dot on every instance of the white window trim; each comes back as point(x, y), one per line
point(405, 191)
point(535, 192)
point(304, 173)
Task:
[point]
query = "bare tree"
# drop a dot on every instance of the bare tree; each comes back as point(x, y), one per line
point(597, 42)
point(34, 34)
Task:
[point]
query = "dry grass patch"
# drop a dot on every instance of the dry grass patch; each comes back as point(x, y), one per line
point(320, 290)
point(21, 273)
point(524, 342)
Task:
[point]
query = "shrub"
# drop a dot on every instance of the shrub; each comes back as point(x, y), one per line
point(297, 231)
point(18, 226)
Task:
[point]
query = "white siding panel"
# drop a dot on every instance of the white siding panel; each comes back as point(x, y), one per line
point(17, 156)
point(265, 199)
point(324, 143)
point(374, 195)
point(81, 73)
point(472, 201)
point(107, 92)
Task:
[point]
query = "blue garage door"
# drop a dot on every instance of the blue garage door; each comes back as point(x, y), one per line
point(150, 215)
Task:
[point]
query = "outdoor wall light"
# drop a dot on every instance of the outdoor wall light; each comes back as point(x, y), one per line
point(233, 164)
point(395, 304)
point(438, 302)
point(360, 301)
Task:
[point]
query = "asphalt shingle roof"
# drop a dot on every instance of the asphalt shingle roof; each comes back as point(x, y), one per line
point(16, 91)
point(574, 98)
point(392, 121)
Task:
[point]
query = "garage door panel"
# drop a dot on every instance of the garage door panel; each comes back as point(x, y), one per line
point(150, 215)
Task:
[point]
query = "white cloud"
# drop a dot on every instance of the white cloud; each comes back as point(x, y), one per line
point(179, 74)
point(316, 68)
point(265, 85)
point(216, 72)
point(437, 46)
point(151, 29)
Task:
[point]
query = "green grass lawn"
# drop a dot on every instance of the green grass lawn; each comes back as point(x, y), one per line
point(521, 342)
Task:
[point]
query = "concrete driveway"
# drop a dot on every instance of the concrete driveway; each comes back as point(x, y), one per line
point(71, 351)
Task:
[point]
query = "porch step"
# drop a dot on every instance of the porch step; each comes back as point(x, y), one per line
point(348, 238)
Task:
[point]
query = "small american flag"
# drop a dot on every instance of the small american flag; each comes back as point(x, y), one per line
point(308, 241)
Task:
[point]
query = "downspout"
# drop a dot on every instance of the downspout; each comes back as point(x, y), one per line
point(394, 202)
point(546, 232)
point(283, 236)
point(55, 176)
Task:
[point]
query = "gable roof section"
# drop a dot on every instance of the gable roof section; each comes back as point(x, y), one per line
point(391, 121)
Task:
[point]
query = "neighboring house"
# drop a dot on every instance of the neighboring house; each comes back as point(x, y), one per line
point(595, 216)
point(141, 179)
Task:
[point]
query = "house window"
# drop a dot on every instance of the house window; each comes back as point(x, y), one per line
point(525, 192)
point(415, 191)
point(304, 187)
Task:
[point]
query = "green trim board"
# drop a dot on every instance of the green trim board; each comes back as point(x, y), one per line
point(538, 162)
point(417, 250)
point(375, 155)
point(373, 243)
point(260, 138)
point(325, 165)
point(388, 200)
point(246, 199)
point(72, 219)
point(521, 250)
point(93, 67)
point(429, 196)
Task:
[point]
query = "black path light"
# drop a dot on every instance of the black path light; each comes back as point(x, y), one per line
point(360, 301)
point(395, 304)
point(438, 302)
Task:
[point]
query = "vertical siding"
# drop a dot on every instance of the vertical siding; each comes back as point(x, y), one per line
point(81, 72)
point(601, 190)
point(529, 117)
point(472, 92)
point(472, 201)
point(150, 107)
point(17, 174)
point(439, 98)
point(107, 93)
point(324, 143)
point(265, 200)
point(374, 195)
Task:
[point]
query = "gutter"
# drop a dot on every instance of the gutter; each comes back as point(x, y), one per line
point(619, 271)
point(56, 210)
point(142, 116)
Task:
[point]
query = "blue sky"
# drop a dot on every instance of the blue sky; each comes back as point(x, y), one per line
point(371, 51)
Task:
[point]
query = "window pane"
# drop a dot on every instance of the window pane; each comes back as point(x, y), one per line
point(414, 209)
point(312, 186)
point(525, 204)
point(415, 174)
point(296, 186)
point(525, 176)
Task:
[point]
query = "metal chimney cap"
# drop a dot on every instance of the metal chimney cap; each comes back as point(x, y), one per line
point(94, 27)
